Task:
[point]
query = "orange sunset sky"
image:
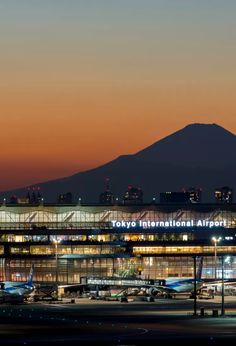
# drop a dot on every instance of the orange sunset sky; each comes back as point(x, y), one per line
point(83, 82)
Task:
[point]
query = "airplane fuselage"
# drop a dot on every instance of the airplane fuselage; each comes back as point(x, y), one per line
point(181, 286)
point(20, 288)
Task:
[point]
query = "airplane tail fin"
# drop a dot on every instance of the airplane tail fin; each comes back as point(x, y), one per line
point(30, 277)
point(199, 272)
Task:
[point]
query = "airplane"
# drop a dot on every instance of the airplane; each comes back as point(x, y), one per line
point(171, 287)
point(18, 288)
point(118, 287)
point(216, 287)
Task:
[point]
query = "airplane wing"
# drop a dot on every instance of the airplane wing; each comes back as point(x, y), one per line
point(72, 285)
point(219, 283)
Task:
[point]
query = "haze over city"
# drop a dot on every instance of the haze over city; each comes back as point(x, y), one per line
point(83, 82)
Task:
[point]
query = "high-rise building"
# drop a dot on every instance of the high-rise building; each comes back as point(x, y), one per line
point(195, 195)
point(65, 198)
point(174, 197)
point(107, 196)
point(224, 195)
point(134, 195)
point(33, 195)
point(191, 195)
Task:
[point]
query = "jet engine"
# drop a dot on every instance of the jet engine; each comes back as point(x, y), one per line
point(153, 291)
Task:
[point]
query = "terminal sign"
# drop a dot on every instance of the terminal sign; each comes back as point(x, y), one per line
point(167, 224)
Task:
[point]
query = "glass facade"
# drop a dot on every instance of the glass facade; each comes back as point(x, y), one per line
point(144, 241)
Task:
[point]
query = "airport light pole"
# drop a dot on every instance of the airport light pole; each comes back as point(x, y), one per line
point(195, 285)
point(56, 242)
point(216, 241)
point(222, 287)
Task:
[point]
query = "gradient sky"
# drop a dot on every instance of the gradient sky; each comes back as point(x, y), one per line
point(84, 81)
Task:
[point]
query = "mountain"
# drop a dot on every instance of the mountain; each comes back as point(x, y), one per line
point(200, 155)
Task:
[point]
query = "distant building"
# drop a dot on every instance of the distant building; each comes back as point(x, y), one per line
point(195, 195)
point(33, 196)
point(174, 197)
point(134, 195)
point(65, 198)
point(191, 195)
point(224, 195)
point(107, 196)
point(22, 200)
point(13, 199)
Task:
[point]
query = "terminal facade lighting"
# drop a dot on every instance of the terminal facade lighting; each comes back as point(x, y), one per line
point(157, 240)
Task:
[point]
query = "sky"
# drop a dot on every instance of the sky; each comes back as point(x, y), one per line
point(84, 81)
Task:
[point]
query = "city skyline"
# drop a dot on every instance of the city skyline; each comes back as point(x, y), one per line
point(198, 158)
point(85, 82)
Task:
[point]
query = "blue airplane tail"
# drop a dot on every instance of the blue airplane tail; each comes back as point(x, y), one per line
point(199, 272)
point(30, 277)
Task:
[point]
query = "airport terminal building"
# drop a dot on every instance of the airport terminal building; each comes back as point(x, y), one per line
point(151, 241)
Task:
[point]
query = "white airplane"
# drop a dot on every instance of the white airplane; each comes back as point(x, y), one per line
point(18, 288)
point(173, 286)
point(168, 287)
point(120, 286)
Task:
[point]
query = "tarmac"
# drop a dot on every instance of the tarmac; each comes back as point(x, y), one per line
point(99, 322)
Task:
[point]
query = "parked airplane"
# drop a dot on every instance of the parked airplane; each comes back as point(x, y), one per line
point(216, 287)
point(174, 286)
point(18, 288)
point(117, 287)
